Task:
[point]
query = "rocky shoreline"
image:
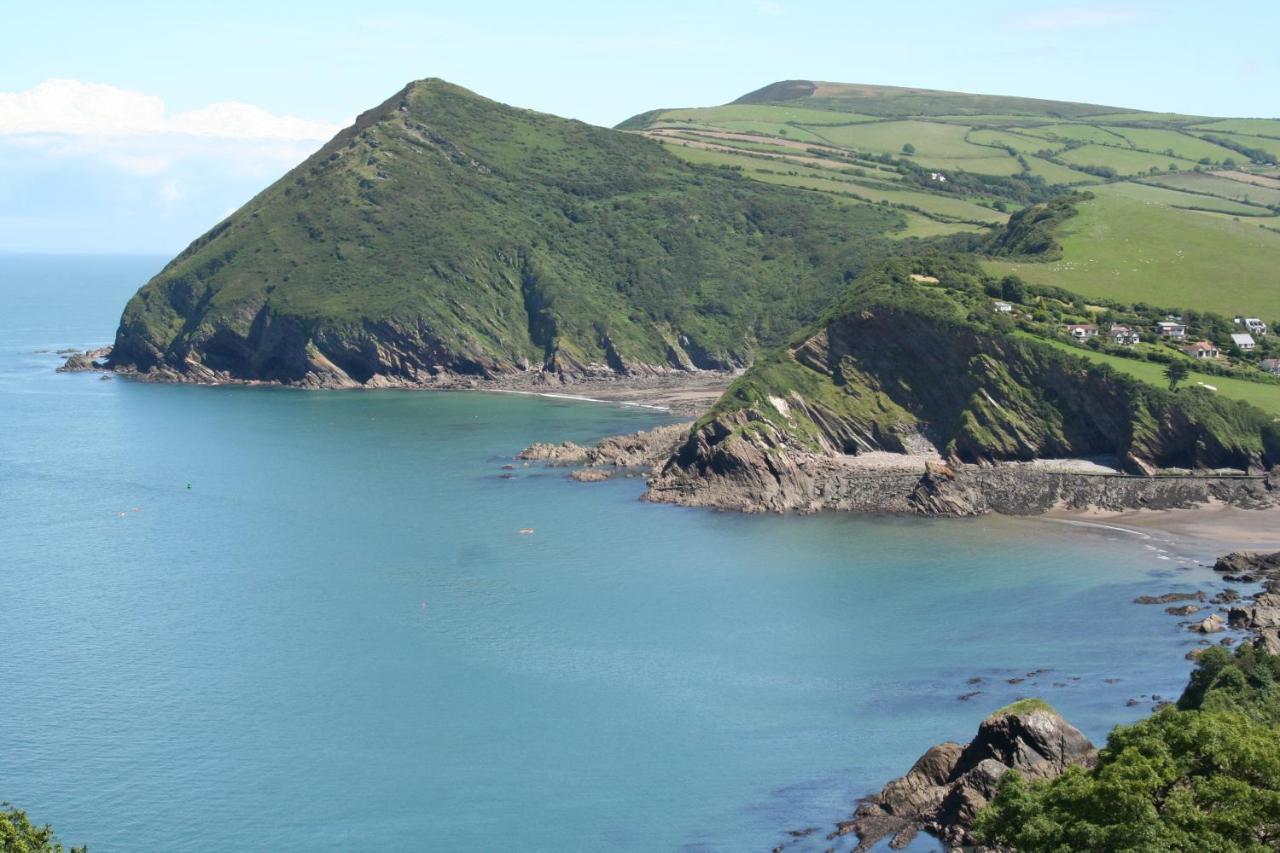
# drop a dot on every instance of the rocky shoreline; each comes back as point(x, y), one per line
point(901, 483)
point(686, 392)
point(922, 485)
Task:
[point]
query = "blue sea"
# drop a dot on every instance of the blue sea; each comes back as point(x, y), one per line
point(267, 619)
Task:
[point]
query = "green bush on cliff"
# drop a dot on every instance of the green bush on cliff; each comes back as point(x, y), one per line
point(19, 835)
point(1202, 776)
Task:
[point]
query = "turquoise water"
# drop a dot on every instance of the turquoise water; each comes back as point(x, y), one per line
point(336, 639)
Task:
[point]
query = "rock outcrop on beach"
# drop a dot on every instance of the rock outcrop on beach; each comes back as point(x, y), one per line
point(643, 449)
point(1260, 615)
point(445, 237)
point(947, 787)
point(911, 399)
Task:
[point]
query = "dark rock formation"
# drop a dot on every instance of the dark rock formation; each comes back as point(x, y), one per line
point(638, 450)
point(949, 784)
point(81, 361)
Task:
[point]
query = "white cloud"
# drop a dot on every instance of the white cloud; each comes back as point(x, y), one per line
point(1071, 18)
point(170, 191)
point(76, 108)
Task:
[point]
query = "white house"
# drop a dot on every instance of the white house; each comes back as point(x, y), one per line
point(1125, 336)
point(1201, 349)
point(1256, 326)
point(1270, 365)
point(1172, 330)
point(1082, 331)
point(1244, 341)
point(1004, 307)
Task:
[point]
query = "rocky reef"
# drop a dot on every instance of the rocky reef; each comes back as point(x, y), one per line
point(947, 787)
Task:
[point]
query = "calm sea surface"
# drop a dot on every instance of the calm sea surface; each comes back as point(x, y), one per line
point(335, 638)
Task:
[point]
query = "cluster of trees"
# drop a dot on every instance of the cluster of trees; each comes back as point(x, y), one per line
point(1204, 775)
point(1255, 155)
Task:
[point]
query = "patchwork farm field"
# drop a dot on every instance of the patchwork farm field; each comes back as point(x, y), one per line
point(1187, 208)
point(788, 173)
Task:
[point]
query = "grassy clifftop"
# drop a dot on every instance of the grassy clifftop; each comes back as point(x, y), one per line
point(444, 232)
point(904, 364)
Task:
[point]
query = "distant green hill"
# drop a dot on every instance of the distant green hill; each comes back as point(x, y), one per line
point(1186, 209)
point(445, 234)
point(901, 101)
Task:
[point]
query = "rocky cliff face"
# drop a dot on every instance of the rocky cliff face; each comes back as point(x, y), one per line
point(947, 787)
point(967, 408)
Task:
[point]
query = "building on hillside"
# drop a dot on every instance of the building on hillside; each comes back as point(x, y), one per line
point(1122, 335)
point(1253, 325)
point(1082, 331)
point(1171, 329)
point(1004, 307)
point(938, 176)
point(1201, 349)
point(1270, 365)
point(1244, 341)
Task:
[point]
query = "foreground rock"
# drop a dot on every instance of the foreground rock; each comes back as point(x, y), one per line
point(945, 789)
point(638, 450)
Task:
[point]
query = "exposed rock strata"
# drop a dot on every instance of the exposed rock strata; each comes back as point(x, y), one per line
point(743, 476)
point(947, 787)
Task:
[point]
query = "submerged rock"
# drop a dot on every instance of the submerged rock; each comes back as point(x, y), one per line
point(947, 787)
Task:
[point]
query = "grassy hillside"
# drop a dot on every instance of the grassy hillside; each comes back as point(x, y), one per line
point(1136, 250)
point(446, 233)
point(1151, 233)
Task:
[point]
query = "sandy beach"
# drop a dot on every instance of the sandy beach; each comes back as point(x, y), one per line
point(1229, 528)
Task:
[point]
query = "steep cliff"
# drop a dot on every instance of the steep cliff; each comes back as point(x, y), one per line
point(444, 233)
point(904, 368)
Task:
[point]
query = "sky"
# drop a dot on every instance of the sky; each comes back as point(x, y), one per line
point(134, 126)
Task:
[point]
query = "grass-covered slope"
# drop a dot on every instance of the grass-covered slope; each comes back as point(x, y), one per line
point(447, 233)
point(905, 364)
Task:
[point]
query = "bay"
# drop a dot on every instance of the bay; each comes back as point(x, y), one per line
point(253, 618)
